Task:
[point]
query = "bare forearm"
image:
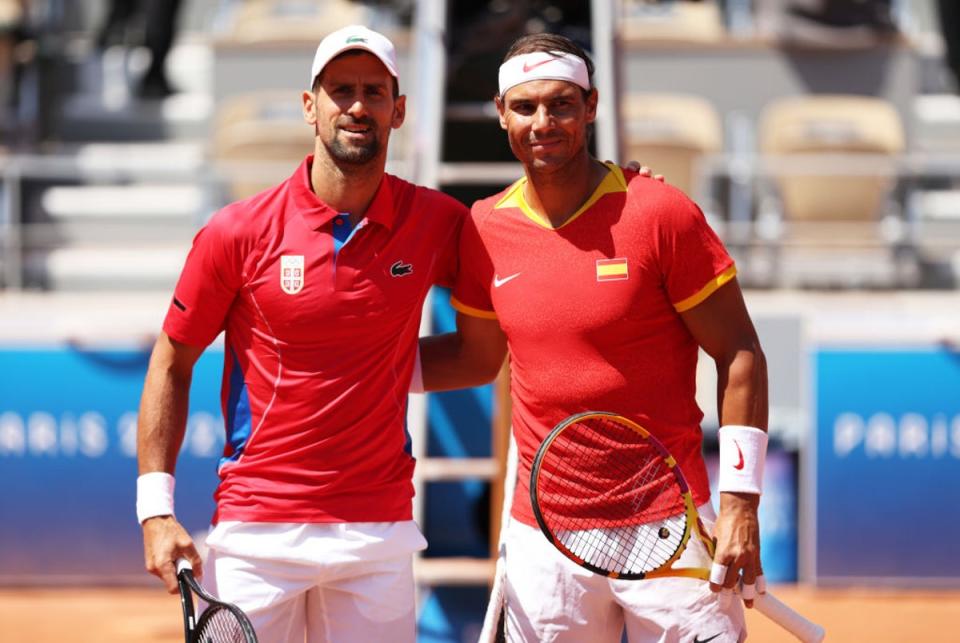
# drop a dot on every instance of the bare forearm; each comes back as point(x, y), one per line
point(161, 423)
point(742, 387)
point(163, 409)
point(448, 362)
point(742, 393)
point(722, 327)
point(160, 429)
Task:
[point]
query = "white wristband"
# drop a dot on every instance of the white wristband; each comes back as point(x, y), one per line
point(743, 451)
point(416, 382)
point(154, 495)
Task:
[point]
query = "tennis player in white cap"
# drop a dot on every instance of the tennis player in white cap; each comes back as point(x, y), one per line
point(319, 284)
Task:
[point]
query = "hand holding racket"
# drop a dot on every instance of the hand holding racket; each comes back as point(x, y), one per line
point(736, 556)
point(219, 623)
point(609, 497)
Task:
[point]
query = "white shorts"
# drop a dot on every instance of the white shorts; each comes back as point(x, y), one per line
point(551, 599)
point(336, 583)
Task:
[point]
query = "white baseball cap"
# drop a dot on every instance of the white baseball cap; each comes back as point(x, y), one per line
point(354, 37)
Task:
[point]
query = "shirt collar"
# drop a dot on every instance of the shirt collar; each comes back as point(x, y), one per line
point(317, 213)
point(613, 182)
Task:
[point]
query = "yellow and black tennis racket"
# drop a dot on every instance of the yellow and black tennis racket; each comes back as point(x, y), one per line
point(611, 498)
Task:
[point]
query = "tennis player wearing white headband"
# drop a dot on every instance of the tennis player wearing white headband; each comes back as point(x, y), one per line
point(624, 339)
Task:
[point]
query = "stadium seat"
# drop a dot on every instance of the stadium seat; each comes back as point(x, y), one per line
point(832, 125)
point(833, 195)
point(114, 217)
point(293, 20)
point(259, 139)
point(669, 133)
point(674, 21)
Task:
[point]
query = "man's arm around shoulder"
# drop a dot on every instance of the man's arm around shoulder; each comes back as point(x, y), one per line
point(471, 356)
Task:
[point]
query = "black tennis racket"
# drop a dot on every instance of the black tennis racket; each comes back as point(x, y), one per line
point(219, 623)
point(611, 498)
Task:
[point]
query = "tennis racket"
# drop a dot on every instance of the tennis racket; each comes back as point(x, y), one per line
point(493, 625)
point(612, 499)
point(219, 623)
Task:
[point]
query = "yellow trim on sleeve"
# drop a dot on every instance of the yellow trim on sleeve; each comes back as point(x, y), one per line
point(707, 290)
point(470, 310)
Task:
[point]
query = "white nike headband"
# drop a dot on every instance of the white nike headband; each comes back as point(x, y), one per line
point(543, 65)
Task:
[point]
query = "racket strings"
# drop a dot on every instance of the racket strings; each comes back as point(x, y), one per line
point(626, 550)
point(637, 523)
point(220, 625)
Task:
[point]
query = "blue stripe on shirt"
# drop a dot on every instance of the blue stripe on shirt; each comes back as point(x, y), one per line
point(342, 231)
point(239, 420)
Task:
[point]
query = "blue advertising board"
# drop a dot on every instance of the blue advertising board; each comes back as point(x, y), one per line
point(887, 472)
point(68, 470)
point(68, 462)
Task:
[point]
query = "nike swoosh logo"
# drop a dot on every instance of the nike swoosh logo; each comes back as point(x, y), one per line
point(697, 639)
point(738, 466)
point(527, 67)
point(497, 282)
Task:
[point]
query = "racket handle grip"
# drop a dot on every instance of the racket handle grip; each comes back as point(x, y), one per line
point(491, 619)
point(788, 618)
point(182, 564)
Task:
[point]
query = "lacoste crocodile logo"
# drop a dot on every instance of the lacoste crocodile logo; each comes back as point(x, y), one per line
point(400, 269)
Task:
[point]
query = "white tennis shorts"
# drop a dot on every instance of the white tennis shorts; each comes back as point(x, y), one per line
point(336, 583)
point(549, 599)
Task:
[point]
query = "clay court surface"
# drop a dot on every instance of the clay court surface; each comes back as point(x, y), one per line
point(150, 616)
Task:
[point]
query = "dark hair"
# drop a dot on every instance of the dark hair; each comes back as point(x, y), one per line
point(319, 79)
point(550, 42)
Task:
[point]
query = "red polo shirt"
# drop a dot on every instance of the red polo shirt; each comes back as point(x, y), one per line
point(591, 312)
point(319, 345)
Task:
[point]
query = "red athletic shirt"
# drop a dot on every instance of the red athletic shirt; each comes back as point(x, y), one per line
point(590, 311)
point(319, 345)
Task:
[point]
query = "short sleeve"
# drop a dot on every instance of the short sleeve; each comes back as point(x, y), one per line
point(208, 285)
point(447, 255)
point(471, 291)
point(693, 261)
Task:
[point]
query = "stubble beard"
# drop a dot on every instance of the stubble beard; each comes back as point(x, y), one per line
point(342, 152)
point(354, 154)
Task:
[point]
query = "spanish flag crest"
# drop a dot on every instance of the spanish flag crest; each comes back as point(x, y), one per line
point(612, 269)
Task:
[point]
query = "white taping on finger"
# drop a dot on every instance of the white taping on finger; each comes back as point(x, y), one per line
point(748, 592)
point(761, 584)
point(718, 573)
